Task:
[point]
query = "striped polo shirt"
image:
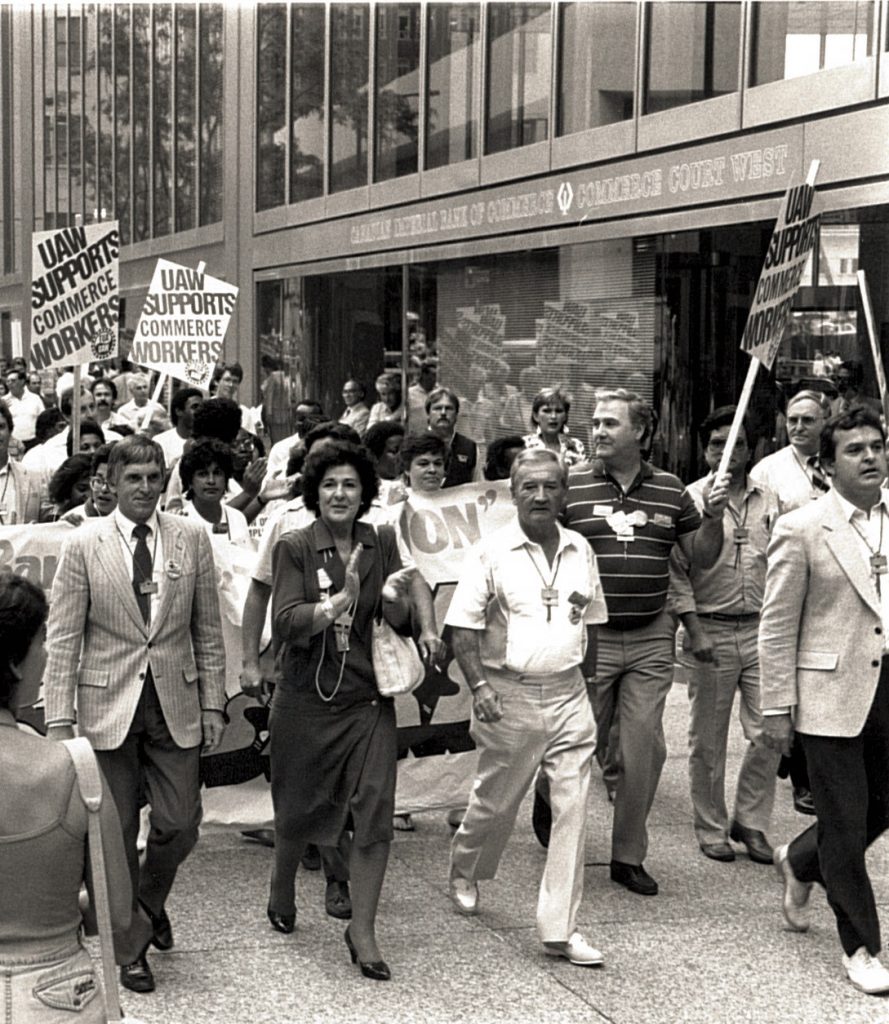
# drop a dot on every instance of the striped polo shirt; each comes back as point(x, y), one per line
point(635, 574)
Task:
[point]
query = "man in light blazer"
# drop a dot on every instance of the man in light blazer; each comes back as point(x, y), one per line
point(137, 662)
point(19, 490)
point(824, 658)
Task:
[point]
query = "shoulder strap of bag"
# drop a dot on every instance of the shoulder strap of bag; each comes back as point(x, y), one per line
point(89, 781)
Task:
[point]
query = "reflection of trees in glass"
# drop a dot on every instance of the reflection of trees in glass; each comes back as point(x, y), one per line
point(186, 30)
point(163, 141)
point(141, 42)
point(349, 66)
point(271, 59)
point(306, 101)
point(210, 18)
point(106, 114)
point(397, 103)
point(122, 122)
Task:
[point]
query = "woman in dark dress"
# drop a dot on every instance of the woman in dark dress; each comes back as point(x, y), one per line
point(333, 748)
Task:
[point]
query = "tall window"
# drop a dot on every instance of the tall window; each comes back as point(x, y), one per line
point(186, 115)
point(210, 41)
point(161, 112)
point(271, 69)
point(7, 201)
point(451, 101)
point(799, 38)
point(349, 73)
point(519, 62)
point(597, 65)
point(306, 101)
point(397, 98)
point(122, 120)
point(692, 54)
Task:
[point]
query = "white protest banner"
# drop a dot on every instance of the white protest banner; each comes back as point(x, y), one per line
point(183, 323)
point(794, 237)
point(32, 550)
point(74, 295)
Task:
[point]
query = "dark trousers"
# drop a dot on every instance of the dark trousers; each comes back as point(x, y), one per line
point(850, 787)
point(149, 763)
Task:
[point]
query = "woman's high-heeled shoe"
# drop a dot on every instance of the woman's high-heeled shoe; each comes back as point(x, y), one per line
point(378, 970)
point(281, 922)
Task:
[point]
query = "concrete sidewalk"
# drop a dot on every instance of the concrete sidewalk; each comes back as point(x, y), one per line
point(711, 948)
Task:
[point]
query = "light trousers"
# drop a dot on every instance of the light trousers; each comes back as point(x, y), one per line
point(711, 694)
point(58, 987)
point(547, 724)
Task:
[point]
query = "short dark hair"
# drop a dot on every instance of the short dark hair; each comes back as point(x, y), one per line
point(496, 465)
point(722, 417)
point(86, 427)
point(74, 469)
point(317, 406)
point(16, 371)
point(46, 423)
point(219, 418)
point(338, 453)
point(66, 402)
point(134, 451)
point(331, 429)
point(7, 415)
point(203, 455)
point(180, 400)
point(108, 382)
point(439, 392)
point(376, 437)
point(415, 445)
point(855, 371)
point(857, 416)
point(235, 369)
point(101, 456)
point(23, 610)
point(355, 380)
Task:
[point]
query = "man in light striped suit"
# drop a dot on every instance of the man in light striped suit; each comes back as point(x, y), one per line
point(137, 662)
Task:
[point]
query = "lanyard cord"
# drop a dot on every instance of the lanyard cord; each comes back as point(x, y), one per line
point(133, 554)
point(7, 475)
point(540, 574)
point(740, 524)
point(875, 551)
point(328, 697)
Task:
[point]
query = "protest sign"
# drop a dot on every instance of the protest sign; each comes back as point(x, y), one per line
point(183, 323)
point(74, 295)
point(32, 550)
point(794, 237)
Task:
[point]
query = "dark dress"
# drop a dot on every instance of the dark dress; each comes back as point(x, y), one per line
point(332, 761)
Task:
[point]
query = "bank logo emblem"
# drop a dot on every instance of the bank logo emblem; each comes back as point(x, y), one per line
point(565, 197)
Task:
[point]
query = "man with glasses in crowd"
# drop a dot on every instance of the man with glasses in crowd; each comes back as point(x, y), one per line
point(357, 412)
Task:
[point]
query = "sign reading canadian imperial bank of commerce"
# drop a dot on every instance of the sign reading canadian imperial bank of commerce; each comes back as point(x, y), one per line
point(758, 164)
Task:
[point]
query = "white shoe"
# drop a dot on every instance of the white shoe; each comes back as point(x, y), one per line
point(866, 972)
point(576, 951)
point(796, 893)
point(464, 895)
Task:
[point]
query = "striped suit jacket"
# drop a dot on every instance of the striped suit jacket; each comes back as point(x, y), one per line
point(100, 648)
point(27, 493)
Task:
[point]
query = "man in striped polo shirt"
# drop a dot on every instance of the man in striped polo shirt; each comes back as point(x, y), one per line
point(632, 514)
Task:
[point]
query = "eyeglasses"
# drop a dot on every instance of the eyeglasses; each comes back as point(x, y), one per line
point(100, 483)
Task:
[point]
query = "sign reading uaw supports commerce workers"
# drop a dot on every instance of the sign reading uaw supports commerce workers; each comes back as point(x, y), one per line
point(796, 232)
point(74, 295)
point(183, 323)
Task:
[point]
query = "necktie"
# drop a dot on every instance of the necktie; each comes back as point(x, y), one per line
point(819, 480)
point(142, 570)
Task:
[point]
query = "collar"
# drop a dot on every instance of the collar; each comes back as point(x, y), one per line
point(8, 718)
point(6, 467)
point(363, 532)
point(849, 510)
point(517, 538)
point(126, 525)
point(645, 472)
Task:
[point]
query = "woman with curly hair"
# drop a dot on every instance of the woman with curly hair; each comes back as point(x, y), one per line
point(333, 746)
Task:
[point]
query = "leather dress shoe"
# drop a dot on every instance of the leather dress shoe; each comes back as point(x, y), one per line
point(758, 848)
point(576, 951)
point(718, 851)
point(541, 819)
point(311, 858)
point(337, 901)
point(803, 802)
point(284, 923)
point(137, 976)
point(795, 901)
point(263, 836)
point(464, 895)
point(163, 930)
point(634, 877)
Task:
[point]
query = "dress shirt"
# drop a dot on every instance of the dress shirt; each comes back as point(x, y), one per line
point(125, 527)
point(25, 411)
point(500, 593)
point(8, 496)
point(356, 416)
point(381, 413)
point(872, 530)
point(135, 414)
point(788, 475)
point(736, 583)
point(416, 409)
point(172, 444)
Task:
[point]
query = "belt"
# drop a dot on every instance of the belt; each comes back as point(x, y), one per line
point(719, 617)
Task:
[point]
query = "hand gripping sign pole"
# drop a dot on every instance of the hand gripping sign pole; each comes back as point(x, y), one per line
point(162, 377)
point(794, 237)
point(874, 342)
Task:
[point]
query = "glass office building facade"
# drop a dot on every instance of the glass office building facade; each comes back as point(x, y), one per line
point(526, 193)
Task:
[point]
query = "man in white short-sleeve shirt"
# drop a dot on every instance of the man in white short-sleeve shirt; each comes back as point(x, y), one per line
point(524, 615)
